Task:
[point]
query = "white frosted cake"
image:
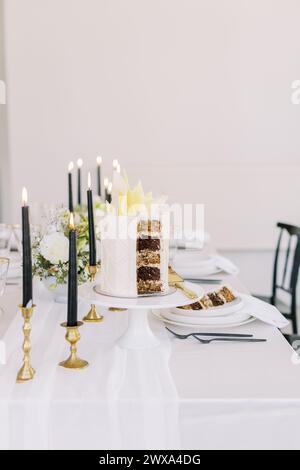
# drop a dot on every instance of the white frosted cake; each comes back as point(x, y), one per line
point(134, 256)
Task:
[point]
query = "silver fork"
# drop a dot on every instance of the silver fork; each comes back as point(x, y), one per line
point(232, 340)
point(224, 335)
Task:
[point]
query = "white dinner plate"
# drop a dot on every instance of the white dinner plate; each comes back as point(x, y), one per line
point(221, 311)
point(237, 319)
point(194, 272)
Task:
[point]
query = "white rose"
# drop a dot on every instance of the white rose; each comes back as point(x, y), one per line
point(55, 247)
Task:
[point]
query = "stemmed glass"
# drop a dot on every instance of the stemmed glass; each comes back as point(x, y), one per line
point(5, 238)
point(4, 264)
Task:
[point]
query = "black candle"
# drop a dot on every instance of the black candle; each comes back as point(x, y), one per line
point(27, 263)
point(72, 279)
point(106, 183)
point(79, 165)
point(99, 162)
point(109, 191)
point(92, 238)
point(70, 169)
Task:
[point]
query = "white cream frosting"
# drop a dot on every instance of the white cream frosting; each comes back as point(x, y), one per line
point(118, 256)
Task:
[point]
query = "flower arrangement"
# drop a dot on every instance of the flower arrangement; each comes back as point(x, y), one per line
point(50, 247)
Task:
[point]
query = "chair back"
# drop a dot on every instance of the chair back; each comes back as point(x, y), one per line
point(287, 281)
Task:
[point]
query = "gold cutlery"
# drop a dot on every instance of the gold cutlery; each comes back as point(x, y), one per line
point(177, 281)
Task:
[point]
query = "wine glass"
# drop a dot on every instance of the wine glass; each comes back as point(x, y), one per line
point(4, 264)
point(5, 238)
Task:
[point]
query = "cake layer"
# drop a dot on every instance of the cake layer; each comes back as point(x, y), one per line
point(152, 244)
point(148, 273)
point(216, 300)
point(149, 226)
point(147, 257)
point(144, 287)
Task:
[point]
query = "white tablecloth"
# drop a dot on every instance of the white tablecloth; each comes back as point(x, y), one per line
point(179, 395)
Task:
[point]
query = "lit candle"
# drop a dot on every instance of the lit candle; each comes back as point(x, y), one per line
point(72, 278)
point(92, 238)
point(109, 191)
point(106, 183)
point(99, 163)
point(115, 164)
point(118, 168)
point(27, 263)
point(70, 169)
point(79, 165)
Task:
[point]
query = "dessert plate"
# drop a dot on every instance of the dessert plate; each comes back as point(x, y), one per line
point(221, 311)
point(234, 320)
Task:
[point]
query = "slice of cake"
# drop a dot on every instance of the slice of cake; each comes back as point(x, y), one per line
point(212, 299)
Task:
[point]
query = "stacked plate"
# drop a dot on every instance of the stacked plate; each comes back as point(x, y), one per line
point(194, 265)
point(227, 315)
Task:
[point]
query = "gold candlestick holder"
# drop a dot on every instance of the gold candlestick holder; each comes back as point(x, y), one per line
point(73, 336)
point(26, 372)
point(92, 316)
point(117, 309)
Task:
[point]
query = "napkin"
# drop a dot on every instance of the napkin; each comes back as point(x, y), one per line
point(263, 311)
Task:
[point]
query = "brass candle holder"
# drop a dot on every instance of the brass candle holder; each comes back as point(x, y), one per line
point(92, 316)
point(26, 372)
point(117, 309)
point(73, 336)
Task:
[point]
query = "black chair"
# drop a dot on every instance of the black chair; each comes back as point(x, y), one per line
point(289, 278)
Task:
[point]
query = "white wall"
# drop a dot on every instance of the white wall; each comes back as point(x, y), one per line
point(4, 155)
point(193, 96)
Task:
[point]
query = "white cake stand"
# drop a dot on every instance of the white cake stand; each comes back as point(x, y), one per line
point(139, 334)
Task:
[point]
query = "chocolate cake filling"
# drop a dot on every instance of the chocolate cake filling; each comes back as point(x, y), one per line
point(216, 300)
point(152, 244)
point(148, 273)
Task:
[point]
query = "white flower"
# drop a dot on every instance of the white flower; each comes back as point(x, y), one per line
point(55, 247)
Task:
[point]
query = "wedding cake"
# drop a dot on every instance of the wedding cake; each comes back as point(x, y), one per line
point(134, 245)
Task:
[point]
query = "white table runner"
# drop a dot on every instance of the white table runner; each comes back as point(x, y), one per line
point(180, 395)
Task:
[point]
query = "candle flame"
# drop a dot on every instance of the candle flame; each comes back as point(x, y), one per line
point(70, 167)
point(109, 188)
point(99, 160)
point(89, 180)
point(24, 196)
point(115, 164)
point(118, 169)
point(79, 162)
point(71, 221)
point(106, 182)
